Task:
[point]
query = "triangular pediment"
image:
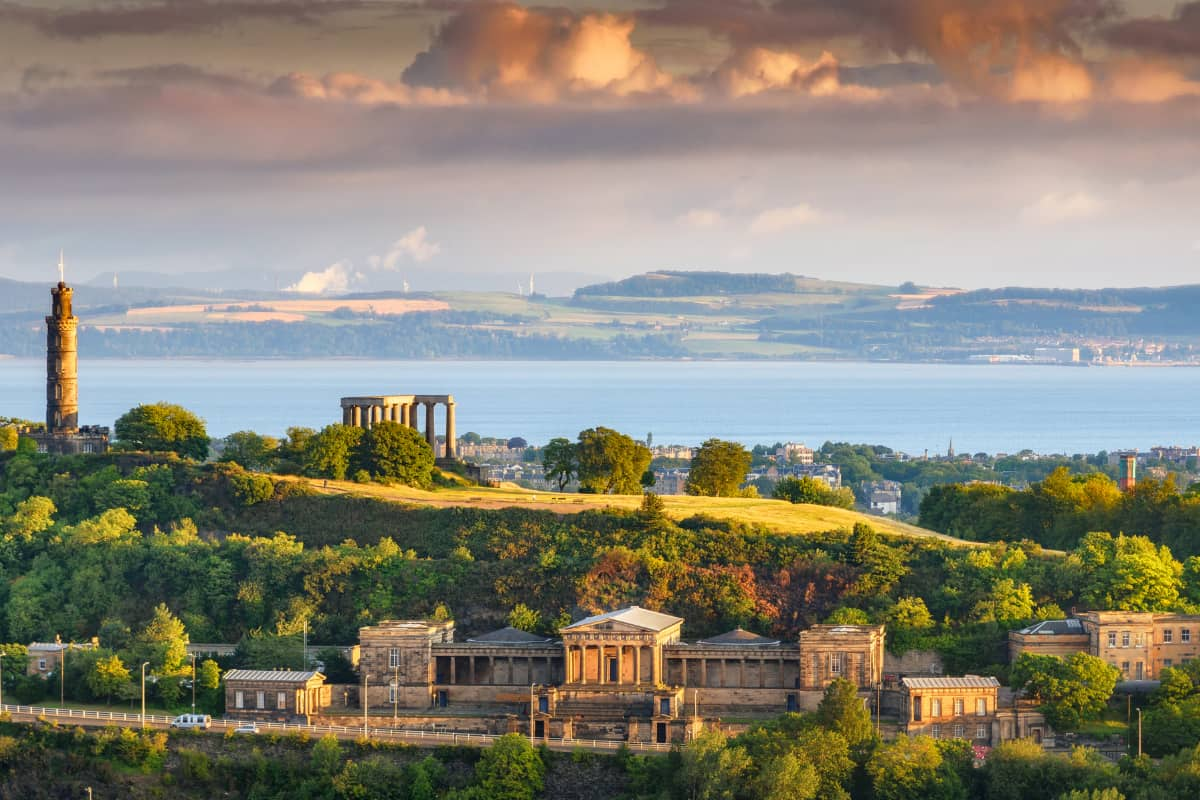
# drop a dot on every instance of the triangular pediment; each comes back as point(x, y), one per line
point(608, 626)
point(632, 619)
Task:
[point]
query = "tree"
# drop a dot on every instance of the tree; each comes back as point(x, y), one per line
point(107, 676)
point(560, 462)
point(718, 469)
point(291, 449)
point(910, 614)
point(328, 453)
point(610, 462)
point(913, 768)
point(1069, 690)
point(392, 451)
point(510, 769)
point(524, 618)
point(1129, 573)
point(813, 492)
point(251, 450)
point(710, 769)
point(163, 427)
point(842, 711)
point(8, 438)
point(1007, 602)
point(163, 642)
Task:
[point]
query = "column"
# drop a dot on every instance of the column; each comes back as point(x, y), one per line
point(600, 664)
point(405, 416)
point(356, 416)
point(512, 672)
point(704, 672)
point(491, 670)
point(431, 425)
point(724, 680)
point(655, 665)
point(451, 444)
point(393, 413)
point(376, 415)
point(637, 664)
point(453, 669)
point(347, 415)
point(471, 669)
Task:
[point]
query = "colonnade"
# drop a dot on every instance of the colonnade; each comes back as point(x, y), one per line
point(366, 412)
point(624, 654)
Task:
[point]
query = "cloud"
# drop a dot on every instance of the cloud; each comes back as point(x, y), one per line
point(1058, 207)
point(1141, 82)
point(1050, 79)
point(413, 246)
point(172, 16)
point(778, 220)
point(700, 218)
point(1177, 36)
point(755, 70)
point(348, 87)
point(507, 51)
point(334, 279)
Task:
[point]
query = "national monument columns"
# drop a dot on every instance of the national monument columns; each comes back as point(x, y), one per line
point(404, 409)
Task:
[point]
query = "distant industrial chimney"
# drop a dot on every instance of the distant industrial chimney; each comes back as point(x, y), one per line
point(1127, 477)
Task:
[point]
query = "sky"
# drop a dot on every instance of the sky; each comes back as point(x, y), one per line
point(948, 142)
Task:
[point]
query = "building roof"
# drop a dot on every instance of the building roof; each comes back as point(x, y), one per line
point(509, 635)
point(634, 615)
point(739, 638)
point(964, 682)
point(272, 675)
point(1054, 627)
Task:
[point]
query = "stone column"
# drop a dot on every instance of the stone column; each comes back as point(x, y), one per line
point(637, 664)
point(405, 417)
point(451, 444)
point(376, 415)
point(656, 664)
point(724, 680)
point(491, 670)
point(348, 415)
point(742, 673)
point(431, 425)
point(356, 416)
point(471, 669)
point(704, 672)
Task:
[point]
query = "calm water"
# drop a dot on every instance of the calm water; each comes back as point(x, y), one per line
point(905, 406)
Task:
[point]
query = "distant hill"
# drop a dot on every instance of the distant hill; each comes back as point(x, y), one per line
point(693, 284)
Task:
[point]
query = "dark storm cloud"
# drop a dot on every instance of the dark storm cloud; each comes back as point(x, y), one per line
point(1178, 36)
point(172, 16)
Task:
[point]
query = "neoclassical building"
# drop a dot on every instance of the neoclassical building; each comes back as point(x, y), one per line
point(627, 673)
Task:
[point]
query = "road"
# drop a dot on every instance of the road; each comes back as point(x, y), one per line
point(101, 719)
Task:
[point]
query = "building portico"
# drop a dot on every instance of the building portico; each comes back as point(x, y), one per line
point(620, 648)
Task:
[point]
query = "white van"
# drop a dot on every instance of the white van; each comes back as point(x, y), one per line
point(201, 721)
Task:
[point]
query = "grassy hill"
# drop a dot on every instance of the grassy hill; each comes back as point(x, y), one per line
point(778, 515)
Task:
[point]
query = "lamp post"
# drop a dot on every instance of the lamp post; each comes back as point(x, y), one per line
point(192, 656)
point(143, 718)
point(2, 655)
point(395, 694)
point(1139, 733)
point(366, 730)
point(62, 676)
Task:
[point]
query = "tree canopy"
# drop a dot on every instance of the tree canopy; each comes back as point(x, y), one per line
point(162, 427)
point(610, 462)
point(718, 469)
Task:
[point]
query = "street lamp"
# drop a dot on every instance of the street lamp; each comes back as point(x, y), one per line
point(366, 731)
point(2, 655)
point(1139, 733)
point(62, 676)
point(143, 719)
point(192, 656)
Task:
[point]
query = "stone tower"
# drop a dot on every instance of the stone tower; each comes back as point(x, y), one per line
point(62, 380)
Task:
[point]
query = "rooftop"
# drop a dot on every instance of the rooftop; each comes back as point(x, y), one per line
point(964, 682)
point(1054, 627)
point(272, 675)
point(634, 615)
point(509, 635)
point(739, 638)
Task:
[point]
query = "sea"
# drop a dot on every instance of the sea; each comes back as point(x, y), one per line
point(909, 407)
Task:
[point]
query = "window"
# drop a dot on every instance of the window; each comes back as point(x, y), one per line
point(936, 731)
point(544, 704)
point(42, 664)
point(958, 706)
point(262, 699)
point(1124, 638)
point(239, 700)
point(835, 664)
point(916, 701)
point(281, 700)
point(1167, 636)
point(1185, 634)
point(1167, 662)
point(392, 693)
point(958, 731)
point(982, 732)
point(1112, 638)
point(981, 707)
point(394, 657)
point(1137, 641)
point(935, 707)
point(664, 706)
point(1125, 668)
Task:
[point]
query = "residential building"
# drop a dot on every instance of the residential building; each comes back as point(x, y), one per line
point(275, 695)
point(968, 707)
point(795, 453)
point(44, 657)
